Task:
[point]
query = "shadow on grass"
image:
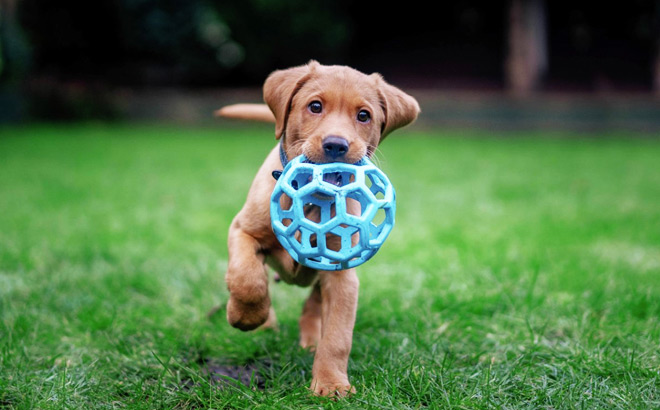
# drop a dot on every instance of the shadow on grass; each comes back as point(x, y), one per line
point(226, 375)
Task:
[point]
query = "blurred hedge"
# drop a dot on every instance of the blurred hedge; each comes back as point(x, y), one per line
point(182, 42)
point(59, 59)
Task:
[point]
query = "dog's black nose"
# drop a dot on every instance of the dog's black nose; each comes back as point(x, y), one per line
point(334, 146)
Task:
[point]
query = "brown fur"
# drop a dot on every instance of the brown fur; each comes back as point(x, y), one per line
point(258, 112)
point(328, 316)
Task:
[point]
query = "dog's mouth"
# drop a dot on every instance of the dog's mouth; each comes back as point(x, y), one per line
point(338, 178)
point(334, 178)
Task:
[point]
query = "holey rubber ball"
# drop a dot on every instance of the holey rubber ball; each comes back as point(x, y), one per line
point(332, 216)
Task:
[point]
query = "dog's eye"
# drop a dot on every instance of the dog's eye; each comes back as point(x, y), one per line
point(315, 106)
point(363, 116)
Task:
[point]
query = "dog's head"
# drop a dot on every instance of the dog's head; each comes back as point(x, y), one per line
point(335, 113)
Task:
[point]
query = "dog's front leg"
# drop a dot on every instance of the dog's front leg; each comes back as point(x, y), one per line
point(247, 280)
point(339, 296)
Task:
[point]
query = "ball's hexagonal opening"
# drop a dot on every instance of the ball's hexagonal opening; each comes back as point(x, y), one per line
point(379, 227)
point(297, 235)
point(375, 183)
point(285, 202)
point(312, 213)
point(380, 217)
point(338, 178)
point(318, 207)
point(356, 203)
point(305, 242)
point(342, 241)
point(333, 242)
point(300, 178)
point(361, 204)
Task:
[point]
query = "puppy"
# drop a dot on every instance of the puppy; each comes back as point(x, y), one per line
point(328, 113)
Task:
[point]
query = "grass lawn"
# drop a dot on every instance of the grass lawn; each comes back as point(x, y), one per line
point(524, 272)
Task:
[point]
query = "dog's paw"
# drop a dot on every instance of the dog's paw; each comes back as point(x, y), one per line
point(310, 333)
point(308, 342)
point(331, 389)
point(247, 316)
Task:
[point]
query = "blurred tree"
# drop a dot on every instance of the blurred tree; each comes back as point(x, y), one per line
point(181, 42)
point(129, 41)
point(527, 60)
point(592, 47)
point(177, 41)
point(71, 39)
point(655, 30)
point(14, 49)
point(276, 34)
point(83, 49)
point(15, 60)
point(70, 49)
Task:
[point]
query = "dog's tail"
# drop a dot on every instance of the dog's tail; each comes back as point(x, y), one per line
point(256, 112)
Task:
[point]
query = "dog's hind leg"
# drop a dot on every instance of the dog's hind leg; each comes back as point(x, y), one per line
point(271, 322)
point(247, 280)
point(310, 320)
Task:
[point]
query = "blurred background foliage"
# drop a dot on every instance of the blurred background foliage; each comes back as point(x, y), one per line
point(65, 55)
point(170, 42)
point(67, 59)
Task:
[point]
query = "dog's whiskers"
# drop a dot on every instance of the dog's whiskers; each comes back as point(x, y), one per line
point(376, 155)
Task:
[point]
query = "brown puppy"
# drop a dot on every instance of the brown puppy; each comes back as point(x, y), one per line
point(328, 113)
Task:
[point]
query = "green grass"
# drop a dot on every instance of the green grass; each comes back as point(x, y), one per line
point(524, 272)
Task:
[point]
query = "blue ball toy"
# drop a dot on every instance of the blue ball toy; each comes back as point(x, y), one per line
point(332, 216)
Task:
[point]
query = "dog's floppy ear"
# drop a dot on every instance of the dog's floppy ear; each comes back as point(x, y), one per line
point(279, 89)
point(400, 108)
